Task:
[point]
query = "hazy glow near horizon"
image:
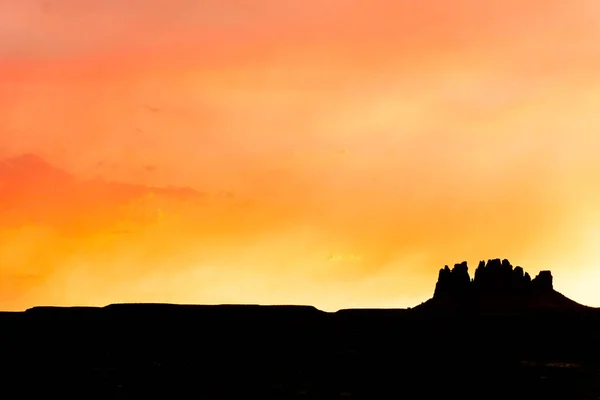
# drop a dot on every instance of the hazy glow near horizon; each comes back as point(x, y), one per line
point(324, 152)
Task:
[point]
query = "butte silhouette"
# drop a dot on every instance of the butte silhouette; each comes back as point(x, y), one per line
point(500, 335)
point(496, 287)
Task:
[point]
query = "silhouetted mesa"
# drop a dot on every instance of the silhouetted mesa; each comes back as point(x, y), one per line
point(168, 351)
point(496, 286)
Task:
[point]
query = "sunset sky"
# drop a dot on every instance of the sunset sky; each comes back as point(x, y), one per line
point(327, 152)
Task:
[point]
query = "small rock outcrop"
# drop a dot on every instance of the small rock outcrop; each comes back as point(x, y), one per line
point(453, 282)
point(543, 282)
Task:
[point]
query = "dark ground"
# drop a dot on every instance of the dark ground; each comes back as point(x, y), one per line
point(239, 352)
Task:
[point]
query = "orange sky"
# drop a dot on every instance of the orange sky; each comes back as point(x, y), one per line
point(324, 152)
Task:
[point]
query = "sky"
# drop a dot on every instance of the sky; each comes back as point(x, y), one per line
point(320, 152)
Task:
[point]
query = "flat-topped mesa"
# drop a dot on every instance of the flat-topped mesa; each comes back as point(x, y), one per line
point(496, 277)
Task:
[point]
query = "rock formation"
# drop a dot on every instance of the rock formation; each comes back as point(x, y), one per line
point(496, 285)
point(453, 282)
point(496, 277)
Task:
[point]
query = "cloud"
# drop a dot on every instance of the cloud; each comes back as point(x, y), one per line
point(50, 28)
point(35, 192)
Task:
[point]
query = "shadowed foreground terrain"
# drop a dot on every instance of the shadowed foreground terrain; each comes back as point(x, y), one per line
point(501, 335)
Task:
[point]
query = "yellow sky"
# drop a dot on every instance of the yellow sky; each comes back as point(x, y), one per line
point(332, 153)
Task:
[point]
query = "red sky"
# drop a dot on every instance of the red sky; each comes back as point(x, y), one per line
point(324, 152)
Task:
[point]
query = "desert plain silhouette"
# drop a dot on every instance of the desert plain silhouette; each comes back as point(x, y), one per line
point(498, 335)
